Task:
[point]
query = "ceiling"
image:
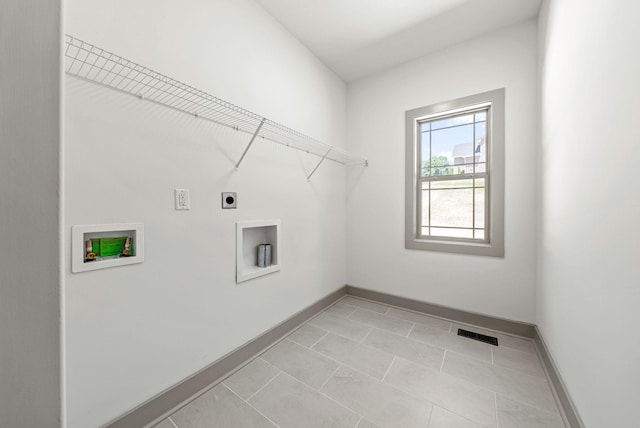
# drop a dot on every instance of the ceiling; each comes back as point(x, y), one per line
point(356, 38)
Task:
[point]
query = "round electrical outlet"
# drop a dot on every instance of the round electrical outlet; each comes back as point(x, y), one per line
point(229, 200)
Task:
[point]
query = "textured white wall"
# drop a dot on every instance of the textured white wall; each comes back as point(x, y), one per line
point(136, 330)
point(589, 282)
point(30, 286)
point(377, 259)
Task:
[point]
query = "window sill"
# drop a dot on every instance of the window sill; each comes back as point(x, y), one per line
point(456, 247)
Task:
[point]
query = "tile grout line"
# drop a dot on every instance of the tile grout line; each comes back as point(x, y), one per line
point(315, 351)
point(328, 378)
point(298, 343)
point(396, 388)
point(258, 411)
point(335, 360)
point(366, 300)
point(172, 422)
point(366, 335)
point(443, 357)
point(463, 352)
point(508, 370)
point(495, 400)
point(449, 320)
point(339, 403)
point(397, 333)
point(508, 395)
point(355, 308)
point(430, 415)
point(388, 368)
point(364, 324)
point(272, 365)
point(410, 330)
point(262, 387)
point(317, 341)
point(329, 397)
point(359, 420)
point(341, 302)
point(425, 324)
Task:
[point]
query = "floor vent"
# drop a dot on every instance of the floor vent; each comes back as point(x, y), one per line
point(477, 336)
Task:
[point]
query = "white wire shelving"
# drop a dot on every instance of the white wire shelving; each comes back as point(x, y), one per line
point(96, 65)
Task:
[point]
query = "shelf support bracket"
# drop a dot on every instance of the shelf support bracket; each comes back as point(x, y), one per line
point(319, 163)
point(255, 134)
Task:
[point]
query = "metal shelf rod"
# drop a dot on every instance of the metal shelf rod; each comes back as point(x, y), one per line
point(319, 163)
point(255, 134)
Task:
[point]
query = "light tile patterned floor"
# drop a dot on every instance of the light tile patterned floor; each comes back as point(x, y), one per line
point(361, 364)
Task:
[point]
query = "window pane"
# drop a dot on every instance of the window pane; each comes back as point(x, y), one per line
point(451, 146)
point(452, 121)
point(452, 207)
point(479, 234)
point(481, 167)
point(481, 130)
point(452, 233)
point(425, 204)
point(425, 154)
point(482, 116)
point(479, 207)
point(480, 146)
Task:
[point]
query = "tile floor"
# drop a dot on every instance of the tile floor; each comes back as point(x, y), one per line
point(361, 364)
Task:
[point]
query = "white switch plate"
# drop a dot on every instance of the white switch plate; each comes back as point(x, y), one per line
point(182, 199)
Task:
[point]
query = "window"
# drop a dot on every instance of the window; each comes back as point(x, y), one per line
point(455, 176)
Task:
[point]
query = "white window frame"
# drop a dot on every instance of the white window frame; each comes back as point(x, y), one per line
point(493, 244)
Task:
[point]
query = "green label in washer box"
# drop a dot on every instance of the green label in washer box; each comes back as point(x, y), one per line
point(111, 246)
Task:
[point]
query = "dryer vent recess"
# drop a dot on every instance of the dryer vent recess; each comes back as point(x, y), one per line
point(229, 200)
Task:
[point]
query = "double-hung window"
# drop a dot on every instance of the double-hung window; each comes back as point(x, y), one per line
point(455, 176)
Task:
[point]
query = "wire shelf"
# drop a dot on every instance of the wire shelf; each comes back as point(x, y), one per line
point(94, 64)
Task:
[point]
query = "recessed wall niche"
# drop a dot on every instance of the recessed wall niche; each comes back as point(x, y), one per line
point(100, 246)
point(249, 236)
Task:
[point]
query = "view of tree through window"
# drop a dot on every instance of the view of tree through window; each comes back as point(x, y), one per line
point(453, 179)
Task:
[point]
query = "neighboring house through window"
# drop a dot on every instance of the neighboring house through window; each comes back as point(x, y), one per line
point(455, 176)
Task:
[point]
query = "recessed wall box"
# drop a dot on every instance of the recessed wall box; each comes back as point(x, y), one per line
point(100, 246)
point(229, 200)
point(249, 236)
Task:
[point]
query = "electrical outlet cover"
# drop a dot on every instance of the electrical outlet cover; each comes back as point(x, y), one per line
point(229, 200)
point(182, 199)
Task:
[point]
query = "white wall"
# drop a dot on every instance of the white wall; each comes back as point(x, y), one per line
point(589, 293)
point(136, 330)
point(377, 259)
point(30, 285)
